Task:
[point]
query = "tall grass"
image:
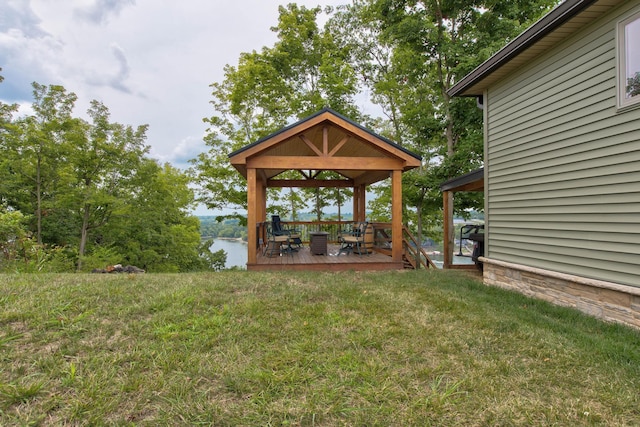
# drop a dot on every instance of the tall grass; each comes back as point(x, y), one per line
point(247, 349)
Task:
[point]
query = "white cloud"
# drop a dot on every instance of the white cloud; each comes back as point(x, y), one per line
point(185, 150)
point(116, 77)
point(99, 11)
point(149, 61)
point(17, 14)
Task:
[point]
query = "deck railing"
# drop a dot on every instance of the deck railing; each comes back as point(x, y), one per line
point(306, 227)
point(382, 230)
point(413, 252)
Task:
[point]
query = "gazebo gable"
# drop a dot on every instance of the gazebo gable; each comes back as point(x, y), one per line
point(325, 141)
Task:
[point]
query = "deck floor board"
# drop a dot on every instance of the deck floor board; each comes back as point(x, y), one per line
point(303, 259)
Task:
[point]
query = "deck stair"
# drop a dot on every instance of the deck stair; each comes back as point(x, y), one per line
point(413, 256)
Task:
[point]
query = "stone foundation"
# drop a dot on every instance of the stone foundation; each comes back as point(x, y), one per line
point(608, 301)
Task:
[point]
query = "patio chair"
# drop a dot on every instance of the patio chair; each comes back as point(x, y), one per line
point(356, 239)
point(279, 229)
point(277, 243)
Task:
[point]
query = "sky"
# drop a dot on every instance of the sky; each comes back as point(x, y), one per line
point(149, 61)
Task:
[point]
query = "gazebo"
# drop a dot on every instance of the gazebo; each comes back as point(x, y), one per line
point(325, 141)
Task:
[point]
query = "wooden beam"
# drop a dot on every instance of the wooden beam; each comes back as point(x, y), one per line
point(396, 216)
point(263, 176)
point(325, 140)
point(356, 202)
point(325, 163)
point(339, 145)
point(252, 216)
point(310, 183)
point(310, 144)
point(261, 205)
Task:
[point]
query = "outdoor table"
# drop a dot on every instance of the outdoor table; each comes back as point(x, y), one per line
point(319, 242)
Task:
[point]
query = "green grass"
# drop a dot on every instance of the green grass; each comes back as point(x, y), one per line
point(255, 349)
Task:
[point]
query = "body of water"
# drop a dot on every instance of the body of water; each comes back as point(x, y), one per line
point(236, 251)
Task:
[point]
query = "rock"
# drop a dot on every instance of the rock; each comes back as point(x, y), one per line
point(118, 268)
point(133, 269)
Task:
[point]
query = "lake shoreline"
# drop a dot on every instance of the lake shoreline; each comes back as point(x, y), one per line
point(236, 250)
point(231, 239)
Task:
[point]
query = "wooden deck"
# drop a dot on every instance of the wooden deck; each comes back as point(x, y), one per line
point(304, 260)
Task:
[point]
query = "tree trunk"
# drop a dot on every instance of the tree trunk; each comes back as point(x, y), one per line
point(84, 231)
point(294, 213)
point(39, 200)
point(318, 208)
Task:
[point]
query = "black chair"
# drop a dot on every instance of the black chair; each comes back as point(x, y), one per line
point(277, 243)
point(279, 229)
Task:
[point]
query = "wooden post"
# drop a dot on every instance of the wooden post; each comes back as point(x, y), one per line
point(396, 215)
point(356, 203)
point(252, 216)
point(447, 210)
point(362, 206)
point(260, 201)
point(261, 209)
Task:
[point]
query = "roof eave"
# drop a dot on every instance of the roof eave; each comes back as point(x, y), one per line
point(415, 156)
point(471, 180)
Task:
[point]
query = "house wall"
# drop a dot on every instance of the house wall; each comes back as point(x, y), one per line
point(562, 163)
point(608, 301)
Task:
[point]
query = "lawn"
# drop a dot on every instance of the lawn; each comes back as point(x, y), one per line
point(255, 349)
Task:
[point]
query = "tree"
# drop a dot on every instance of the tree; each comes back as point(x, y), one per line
point(7, 131)
point(409, 53)
point(35, 149)
point(295, 202)
point(633, 85)
point(95, 194)
point(443, 41)
point(155, 230)
point(305, 71)
point(358, 28)
point(12, 234)
point(103, 158)
point(338, 197)
point(6, 118)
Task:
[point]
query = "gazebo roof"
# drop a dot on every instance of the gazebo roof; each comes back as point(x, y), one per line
point(325, 141)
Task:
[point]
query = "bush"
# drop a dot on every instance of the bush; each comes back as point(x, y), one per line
point(101, 257)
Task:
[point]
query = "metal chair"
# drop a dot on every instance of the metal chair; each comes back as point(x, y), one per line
point(356, 239)
point(279, 229)
point(277, 243)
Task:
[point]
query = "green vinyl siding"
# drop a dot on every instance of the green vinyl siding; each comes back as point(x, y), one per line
point(563, 163)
